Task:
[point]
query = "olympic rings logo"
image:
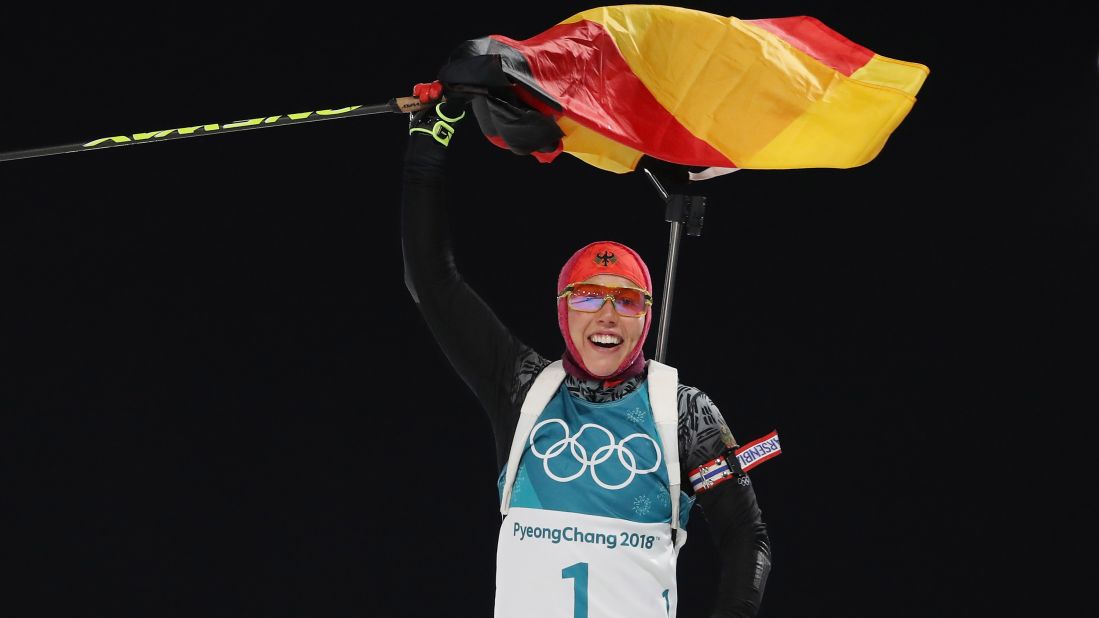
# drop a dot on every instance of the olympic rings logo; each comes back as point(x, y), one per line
point(601, 454)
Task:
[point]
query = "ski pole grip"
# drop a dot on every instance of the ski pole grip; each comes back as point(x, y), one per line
point(407, 105)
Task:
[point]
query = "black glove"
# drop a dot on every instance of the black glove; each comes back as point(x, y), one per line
point(437, 120)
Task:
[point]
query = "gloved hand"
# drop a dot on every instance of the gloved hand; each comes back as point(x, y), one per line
point(436, 120)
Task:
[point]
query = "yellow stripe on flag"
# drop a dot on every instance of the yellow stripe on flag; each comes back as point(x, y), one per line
point(595, 149)
point(753, 97)
point(904, 76)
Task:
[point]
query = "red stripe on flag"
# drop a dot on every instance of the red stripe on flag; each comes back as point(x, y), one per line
point(579, 65)
point(810, 36)
point(548, 157)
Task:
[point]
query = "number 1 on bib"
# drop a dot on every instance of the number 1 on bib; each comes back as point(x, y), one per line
point(578, 572)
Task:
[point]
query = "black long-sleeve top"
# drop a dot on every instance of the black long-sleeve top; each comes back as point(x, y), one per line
point(499, 369)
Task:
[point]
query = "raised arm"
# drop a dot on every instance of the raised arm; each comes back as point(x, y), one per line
point(481, 349)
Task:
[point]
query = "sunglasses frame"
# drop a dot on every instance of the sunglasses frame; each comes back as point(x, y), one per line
point(608, 297)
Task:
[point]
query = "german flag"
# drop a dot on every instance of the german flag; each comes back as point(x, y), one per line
point(611, 84)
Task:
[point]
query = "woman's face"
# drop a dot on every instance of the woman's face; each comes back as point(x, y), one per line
point(604, 338)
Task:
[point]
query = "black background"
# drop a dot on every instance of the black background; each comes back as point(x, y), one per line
point(219, 399)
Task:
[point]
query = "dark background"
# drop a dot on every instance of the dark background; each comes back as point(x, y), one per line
point(218, 398)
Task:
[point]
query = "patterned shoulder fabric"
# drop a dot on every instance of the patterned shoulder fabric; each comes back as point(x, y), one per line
point(703, 433)
point(527, 367)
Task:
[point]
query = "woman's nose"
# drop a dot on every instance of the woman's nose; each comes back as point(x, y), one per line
point(607, 312)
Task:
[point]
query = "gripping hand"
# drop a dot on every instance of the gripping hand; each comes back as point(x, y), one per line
point(438, 120)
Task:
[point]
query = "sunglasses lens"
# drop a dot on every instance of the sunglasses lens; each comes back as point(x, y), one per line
point(590, 297)
point(629, 302)
point(587, 297)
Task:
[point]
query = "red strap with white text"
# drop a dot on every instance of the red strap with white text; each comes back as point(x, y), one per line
point(718, 470)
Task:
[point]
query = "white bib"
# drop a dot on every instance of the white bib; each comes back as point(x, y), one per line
point(590, 498)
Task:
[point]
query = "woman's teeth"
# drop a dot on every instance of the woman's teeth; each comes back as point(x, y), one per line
point(605, 341)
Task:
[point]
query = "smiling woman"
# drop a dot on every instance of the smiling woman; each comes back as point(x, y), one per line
point(600, 441)
point(601, 342)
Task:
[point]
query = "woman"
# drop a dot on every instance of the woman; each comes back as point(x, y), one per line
point(594, 450)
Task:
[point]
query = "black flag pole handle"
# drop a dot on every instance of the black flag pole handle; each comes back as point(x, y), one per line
point(674, 237)
point(397, 104)
point(685, 214)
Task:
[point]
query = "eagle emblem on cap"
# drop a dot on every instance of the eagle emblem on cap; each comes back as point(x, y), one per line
point(605, 258)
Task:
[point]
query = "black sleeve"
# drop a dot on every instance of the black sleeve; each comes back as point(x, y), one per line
point(481, 349)
point(740, 535)
point(730, 508)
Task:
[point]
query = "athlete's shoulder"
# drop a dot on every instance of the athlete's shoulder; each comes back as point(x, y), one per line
point(703, 432)
point(528, 365)
point(693, 402)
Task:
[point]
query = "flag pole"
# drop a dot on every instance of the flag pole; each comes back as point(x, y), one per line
point(684, 213)
point(397, 104)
